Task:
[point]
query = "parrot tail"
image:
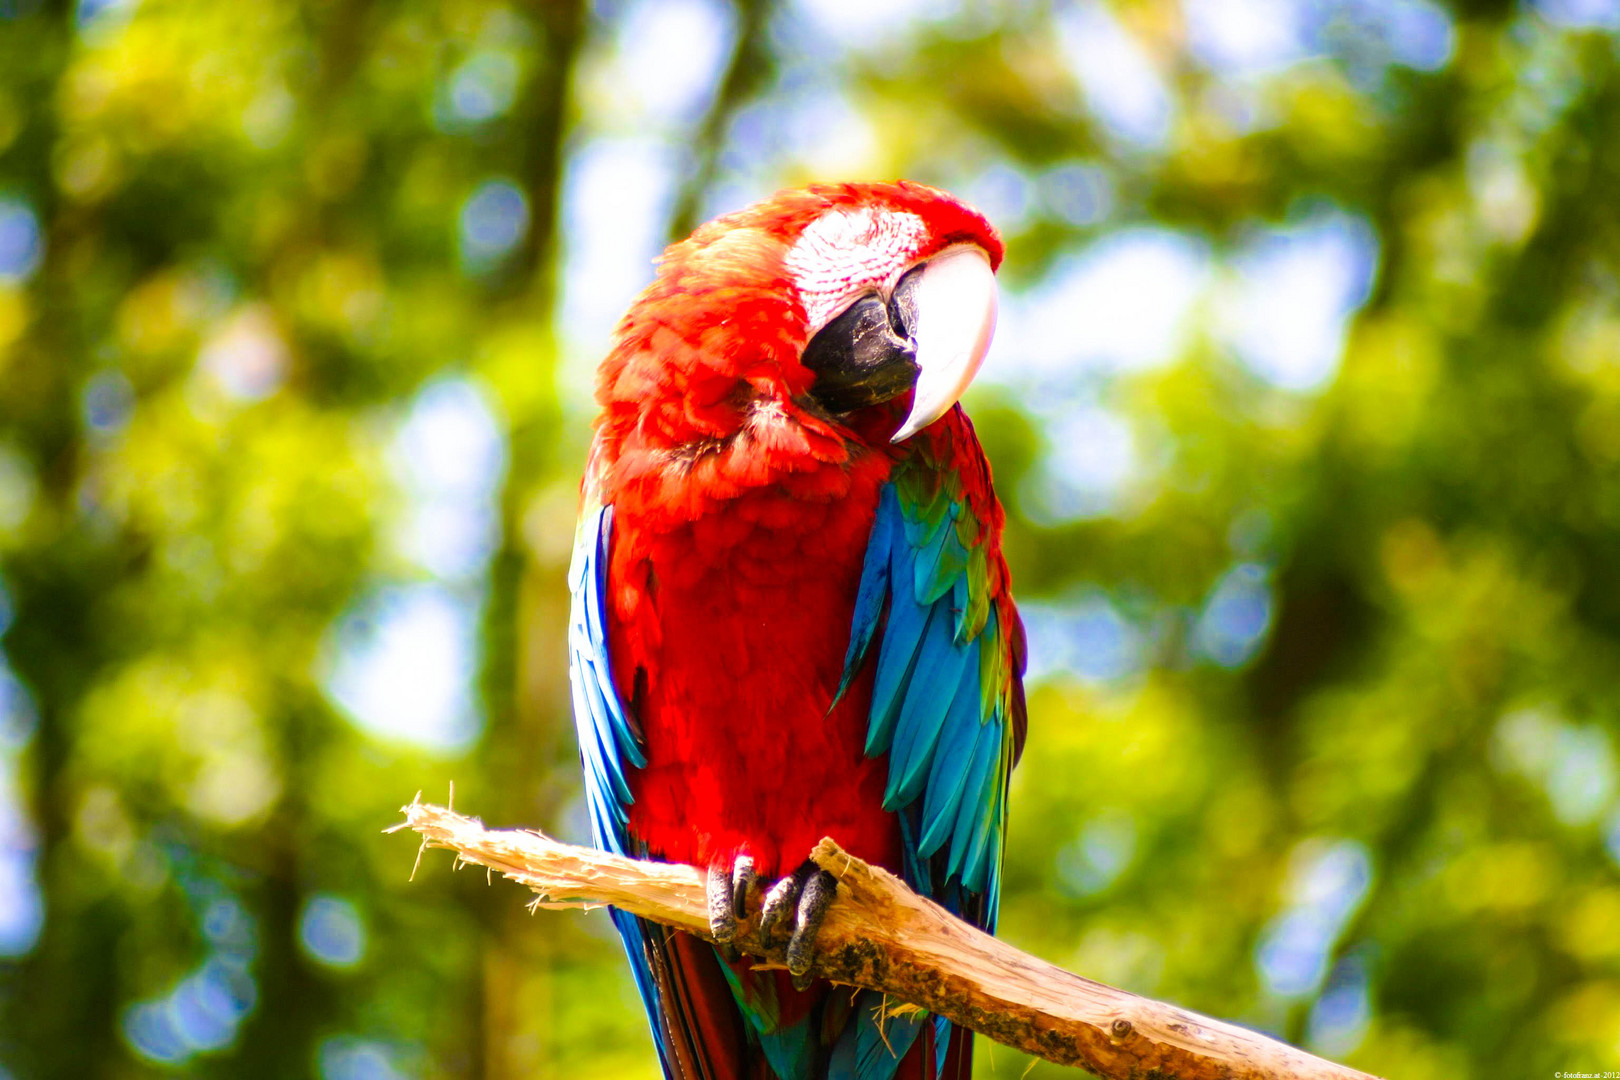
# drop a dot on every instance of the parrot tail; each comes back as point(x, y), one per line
point(717, 1021)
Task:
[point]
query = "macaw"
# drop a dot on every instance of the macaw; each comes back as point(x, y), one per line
point(791, 615)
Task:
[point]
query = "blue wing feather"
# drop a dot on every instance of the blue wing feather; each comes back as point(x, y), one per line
point(607, 741)
point(974, 868)
point(940, 725)
point(930, 711)
point(605, 758)
point(874, 589)
point(907, 620)
point(948, 777)
point(975, 795)
point(998, 837)
point(870, 1048)
point(937, 672)
point(925, 568)
point(923, 524)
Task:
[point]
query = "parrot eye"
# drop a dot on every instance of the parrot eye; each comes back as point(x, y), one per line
point(866, 355)
point(903, 305)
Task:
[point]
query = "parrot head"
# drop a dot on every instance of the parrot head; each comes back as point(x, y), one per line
point(820, 310)
point(899, 294)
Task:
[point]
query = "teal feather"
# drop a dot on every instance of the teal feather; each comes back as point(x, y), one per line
point(975, 793)
point(790, 1050)
point(937, 689)
point(874, 588)
point(961, 605)
point(998, 839)
point(953, 759)
point(939, 566)
point(922, 530)
point(974, 869)
point(934, 678)
point(925, 568)
point(915, 864)
point(872, 1046)
point(896, 658)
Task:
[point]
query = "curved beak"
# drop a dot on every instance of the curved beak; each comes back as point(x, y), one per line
point(955, 318)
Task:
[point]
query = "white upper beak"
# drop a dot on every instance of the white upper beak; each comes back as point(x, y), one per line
point(956, 317)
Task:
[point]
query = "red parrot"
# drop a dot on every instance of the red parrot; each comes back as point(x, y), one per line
point(791, 615)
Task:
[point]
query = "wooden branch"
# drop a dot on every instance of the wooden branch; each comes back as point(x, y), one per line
point(881, 935)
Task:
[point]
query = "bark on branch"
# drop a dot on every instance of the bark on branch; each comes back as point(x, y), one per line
point(881, 935)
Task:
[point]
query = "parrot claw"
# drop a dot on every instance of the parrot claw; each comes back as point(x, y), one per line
point(794, 905)
point(722, 921)
point(814, 900)
point(798, 901)
point(728, 901)
point(782, 901)
point(742, 880)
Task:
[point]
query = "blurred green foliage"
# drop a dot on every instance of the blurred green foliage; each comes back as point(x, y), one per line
point(1323, 738)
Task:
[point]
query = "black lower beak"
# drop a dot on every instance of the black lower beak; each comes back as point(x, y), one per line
point(861, 358)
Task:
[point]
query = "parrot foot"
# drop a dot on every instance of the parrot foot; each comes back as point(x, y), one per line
point(799, 900)
point(728, 899)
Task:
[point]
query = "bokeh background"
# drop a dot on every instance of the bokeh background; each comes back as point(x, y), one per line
point(1305, 408)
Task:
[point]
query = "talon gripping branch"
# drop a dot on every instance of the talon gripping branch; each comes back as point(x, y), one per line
point(791, 615)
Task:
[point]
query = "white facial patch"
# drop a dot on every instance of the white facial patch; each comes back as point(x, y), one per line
point(844, 253)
